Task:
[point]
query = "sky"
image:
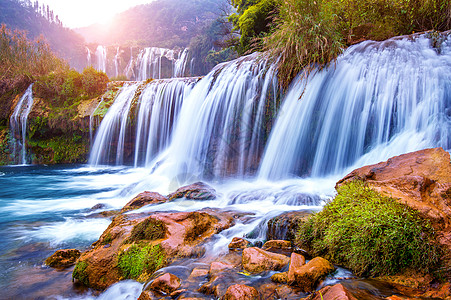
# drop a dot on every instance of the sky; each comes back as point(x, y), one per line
point(80, 13)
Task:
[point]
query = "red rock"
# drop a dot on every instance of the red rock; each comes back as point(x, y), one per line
point(198, 272)
point(296, 262)
point(241, 292)
point(335, 292)
point(217, 267)
point(165, 284)
point(308, 276)
point(143, 199)
point(280, 277)
point(277, 244)
point(256, 260)
point(238, 243)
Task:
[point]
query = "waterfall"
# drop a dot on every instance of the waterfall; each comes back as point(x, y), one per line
point(116, 62)
point(180, 64)
point(223, 124)
point(379, 100)
point(139, 136)
point(101, 58)
point(159, 107)
point(88, 56)
point(153, 62)
point(18, 125)
point(129, 72)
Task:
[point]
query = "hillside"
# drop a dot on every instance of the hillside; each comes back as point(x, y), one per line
point(36, 21)
point(163, 23)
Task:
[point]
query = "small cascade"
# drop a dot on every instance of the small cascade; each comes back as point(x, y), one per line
point(159, 107)
point(180, 64)
point(129, 72)
point(88, 56)
point(18, 125)
point(223, 123)
point(381, 99)
point(116, 62)
point(101, 58)
point(112, 129)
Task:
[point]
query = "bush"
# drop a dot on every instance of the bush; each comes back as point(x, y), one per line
point(370, 234)
point(137, 260)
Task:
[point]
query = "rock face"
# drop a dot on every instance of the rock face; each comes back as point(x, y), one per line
point(308, 276)
point(195, 191)
point(184, 233)
point(421, 180)
point(241, 292)
point(143, 199)
point(63, 258)
point(256, 260)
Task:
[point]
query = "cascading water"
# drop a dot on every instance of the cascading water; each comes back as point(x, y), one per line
point(101, 58)
point(116, 62)
point(381, 99)
point(224, 121)
point(153, 62)
point(88, 56)
point(180, 64)
point(18, 125)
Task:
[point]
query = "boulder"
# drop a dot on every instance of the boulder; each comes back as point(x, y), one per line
point(421, 180)
point(296, 262)
point(337, 291)
point(280, 277)
point(217, 267)
point(144, 199)
point(256, 260)
point(238, 243)
point(195, 191)
point(277, 244)
point(308, 276)
point(184, 234)
point(241, 292)
point(285, 226)
point(165, 284)
point(63, 258)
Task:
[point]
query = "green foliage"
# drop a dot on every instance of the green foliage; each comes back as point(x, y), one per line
point(137, 260)
point(80, 274)
point(59, 149)
point(150, 229)
point(369, 233)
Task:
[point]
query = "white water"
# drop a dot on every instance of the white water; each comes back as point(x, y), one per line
point(379, 100)
point(101, 58)
point(150, 63)
point(88, 56)
point(18, 125)
point(180, 64)
point(116, 62)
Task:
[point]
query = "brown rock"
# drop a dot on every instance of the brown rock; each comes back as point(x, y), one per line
point(309, 275)
point(280, 277)
point(334, 292)
point(165, 284)
point(285, 225)
point(241, 292)
point(198, 272)
point(144, 199)
point(63, 258)
point(256, 260)
point(239, 243)
point(421, 180)
point(195, 191)
point(277, 244)
point(147, 295)
point(296, 262)
point(217, 267)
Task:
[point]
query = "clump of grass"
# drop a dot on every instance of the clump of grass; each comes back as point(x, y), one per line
point(370, 234)
point(80, 274)
point(150, 229)
point(138, 259)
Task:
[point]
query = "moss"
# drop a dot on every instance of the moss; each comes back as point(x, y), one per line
point(60, 149)
point(80, 273)
point(107, 239)
point(139, 259)
point(201, 222)
point(150, 229)
point(370, 234)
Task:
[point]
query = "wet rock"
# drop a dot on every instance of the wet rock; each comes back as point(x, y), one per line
point(308, 276)
point(195, 191)
point(296, 262)
point(337, 291)
point(280, 277)
point(238, 243)
point(421, 180)
point(256, 260)
point(241, 292)
point(217, 267)
point(277, 244)
point(285, 226)
point(99, 206)
point(165, 284)
point(198, 272)
point(184, 234)
point(63, 258)
point(147, 295)
point(143, 199)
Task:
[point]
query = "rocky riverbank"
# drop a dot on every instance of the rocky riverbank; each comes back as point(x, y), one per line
point(172, 251)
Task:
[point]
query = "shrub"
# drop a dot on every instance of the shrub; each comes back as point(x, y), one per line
point(137, 260)
point(369, 233)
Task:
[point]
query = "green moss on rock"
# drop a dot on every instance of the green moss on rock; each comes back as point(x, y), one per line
point(80, 273)
point(150, 229)
point(140, 260)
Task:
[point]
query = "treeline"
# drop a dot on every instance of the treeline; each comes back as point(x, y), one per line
point(310, 33)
